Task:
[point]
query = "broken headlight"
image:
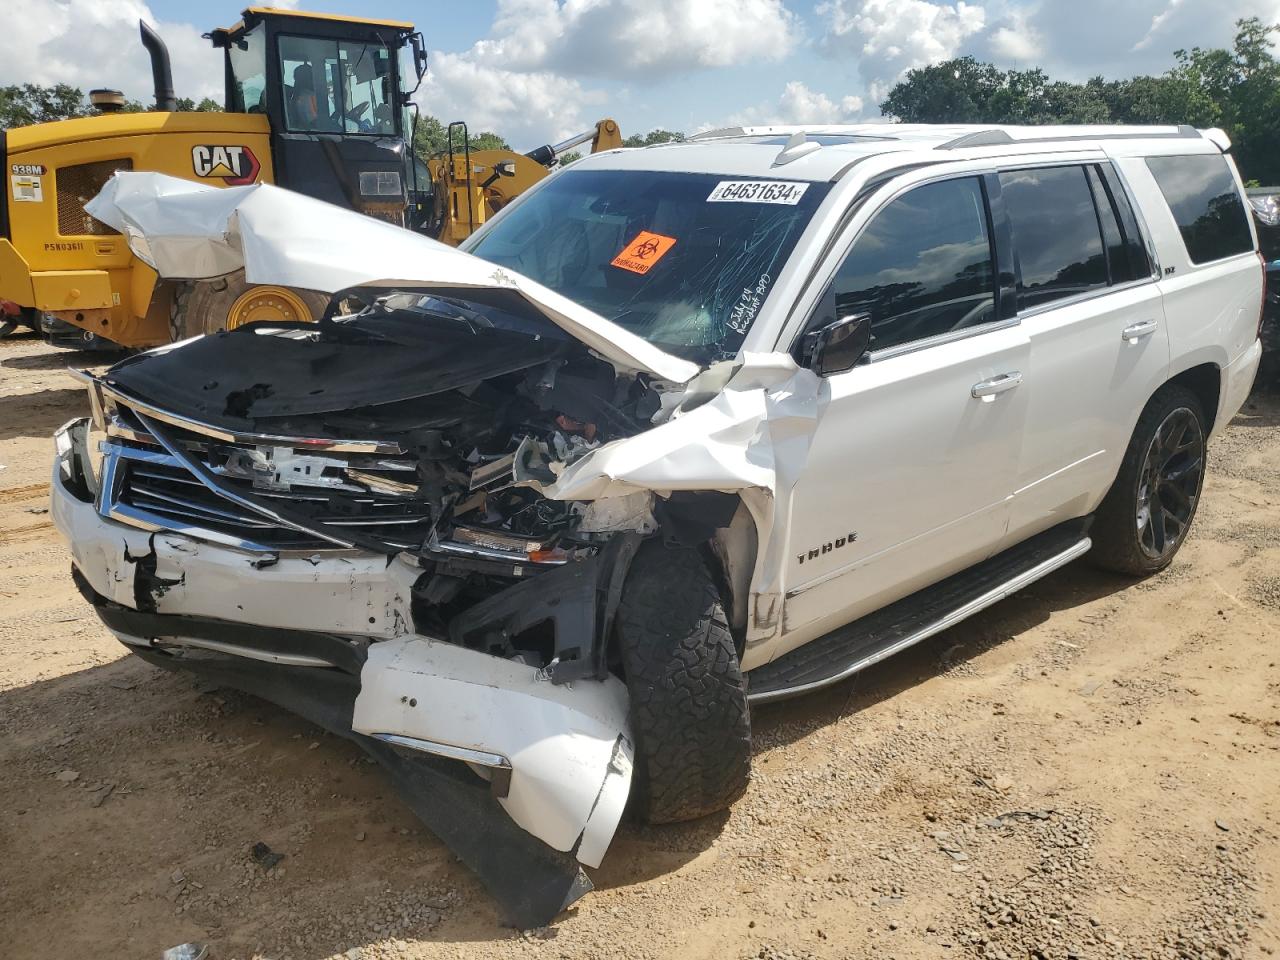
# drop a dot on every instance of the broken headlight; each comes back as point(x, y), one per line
point(71, 452)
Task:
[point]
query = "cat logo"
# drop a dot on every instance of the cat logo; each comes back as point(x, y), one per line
point(234, 165)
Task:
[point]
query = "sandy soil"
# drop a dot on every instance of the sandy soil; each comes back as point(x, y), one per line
point(1090, 769)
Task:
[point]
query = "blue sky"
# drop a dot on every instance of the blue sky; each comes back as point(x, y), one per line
point(538, 70)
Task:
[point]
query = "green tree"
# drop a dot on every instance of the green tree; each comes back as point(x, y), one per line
point(431, 138)
point(955, 91)
point(206, 105)
point(27, 103)
point(652, 137)
point(1236, 89)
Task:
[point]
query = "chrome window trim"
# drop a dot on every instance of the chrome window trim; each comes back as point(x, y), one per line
point(1085, 297)
point(952, 336)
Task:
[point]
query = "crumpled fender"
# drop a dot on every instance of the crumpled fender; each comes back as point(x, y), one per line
point(568, 748)
point(193, 231)
point(747, 430)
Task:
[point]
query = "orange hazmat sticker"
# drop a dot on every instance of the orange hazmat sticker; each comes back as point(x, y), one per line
point(643, 252)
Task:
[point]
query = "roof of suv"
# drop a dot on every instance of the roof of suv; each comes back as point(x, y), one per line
point(818, 153)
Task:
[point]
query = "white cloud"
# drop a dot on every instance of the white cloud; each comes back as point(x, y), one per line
point(890, 37)
point(1016, 40)
point(1140, 36)
point(630, 40)
point(522, 80)
point(95, 43)
point(528, 109)
point(798, 104)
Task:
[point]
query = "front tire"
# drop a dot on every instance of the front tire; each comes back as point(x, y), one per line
point(207, 306)
point(689, 710)
point(1147, 513)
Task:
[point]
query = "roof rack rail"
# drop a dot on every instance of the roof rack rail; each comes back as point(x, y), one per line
point(996, 137)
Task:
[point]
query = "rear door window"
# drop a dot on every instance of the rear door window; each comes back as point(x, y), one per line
point(1056, 233)
point(1205, 202)
point(921, 268)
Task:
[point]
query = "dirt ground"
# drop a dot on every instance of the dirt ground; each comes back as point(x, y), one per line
point(1090, 769)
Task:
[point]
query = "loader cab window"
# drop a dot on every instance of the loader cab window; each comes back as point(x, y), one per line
point(247, 55)
point(337, 86)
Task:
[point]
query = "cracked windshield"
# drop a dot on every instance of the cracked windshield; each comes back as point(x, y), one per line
point(683, 260)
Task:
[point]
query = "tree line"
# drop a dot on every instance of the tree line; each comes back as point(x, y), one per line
point(22, 104)
point(1237, 89)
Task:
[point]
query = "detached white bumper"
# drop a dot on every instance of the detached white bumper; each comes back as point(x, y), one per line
point(559, 756)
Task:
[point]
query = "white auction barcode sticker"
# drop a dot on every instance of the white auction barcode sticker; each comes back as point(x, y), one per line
point(758, 191)
point(27, 189)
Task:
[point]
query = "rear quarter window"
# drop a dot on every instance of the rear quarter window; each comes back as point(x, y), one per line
point(1205, 202)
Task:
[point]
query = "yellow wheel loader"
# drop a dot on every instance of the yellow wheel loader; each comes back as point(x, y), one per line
point(314, 102)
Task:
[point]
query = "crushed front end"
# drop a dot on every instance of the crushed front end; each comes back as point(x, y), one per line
point(347, 520)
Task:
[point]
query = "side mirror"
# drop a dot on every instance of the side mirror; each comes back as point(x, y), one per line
point(419, 55)
point(839, 346)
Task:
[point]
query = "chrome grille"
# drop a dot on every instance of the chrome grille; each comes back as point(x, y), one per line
point(143, 484)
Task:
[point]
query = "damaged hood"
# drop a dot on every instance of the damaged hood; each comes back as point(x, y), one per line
point(190, 231)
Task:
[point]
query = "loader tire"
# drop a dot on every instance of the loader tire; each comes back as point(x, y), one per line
point(688, 709)
point(205, 306)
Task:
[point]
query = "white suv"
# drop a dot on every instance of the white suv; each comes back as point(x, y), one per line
point(685, 428)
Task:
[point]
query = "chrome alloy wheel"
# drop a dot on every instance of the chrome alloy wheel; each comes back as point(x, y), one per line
point(1169, 484)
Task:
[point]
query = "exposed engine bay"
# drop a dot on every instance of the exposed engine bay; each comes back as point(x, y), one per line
point(419, 426)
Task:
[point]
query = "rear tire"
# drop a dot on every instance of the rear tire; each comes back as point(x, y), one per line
point(689, 710)
point(204, 306)
point(1146, 514)
point(7, 327)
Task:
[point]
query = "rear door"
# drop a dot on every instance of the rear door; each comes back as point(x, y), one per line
point(911, 466)
point(1090, 306)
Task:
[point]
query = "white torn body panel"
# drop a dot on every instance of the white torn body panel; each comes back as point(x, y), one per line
point(566, 750)
point(750, 438)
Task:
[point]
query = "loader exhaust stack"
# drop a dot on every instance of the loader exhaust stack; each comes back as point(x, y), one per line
point(161, 72)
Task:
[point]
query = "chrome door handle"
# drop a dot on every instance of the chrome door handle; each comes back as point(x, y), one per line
point(999, 384)
point(1136, 331)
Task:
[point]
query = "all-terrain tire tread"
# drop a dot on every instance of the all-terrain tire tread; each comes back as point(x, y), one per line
point(689, 710)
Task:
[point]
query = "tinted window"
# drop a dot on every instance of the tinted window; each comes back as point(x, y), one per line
point(1202, 194)
point(1139, 262)
point(922, 267)
point(1055, 233)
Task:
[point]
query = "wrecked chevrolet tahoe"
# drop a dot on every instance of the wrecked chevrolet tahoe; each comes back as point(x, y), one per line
point(682, 430)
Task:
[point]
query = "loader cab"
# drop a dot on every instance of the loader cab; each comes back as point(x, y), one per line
point(333, 90)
